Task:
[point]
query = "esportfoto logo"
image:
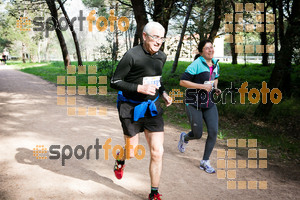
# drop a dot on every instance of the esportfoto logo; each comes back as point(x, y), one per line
point(40, 24)
point(66, 152)
point(254, 95)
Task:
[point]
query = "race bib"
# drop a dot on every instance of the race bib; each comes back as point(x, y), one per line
point(209, 82)
point(154, 80)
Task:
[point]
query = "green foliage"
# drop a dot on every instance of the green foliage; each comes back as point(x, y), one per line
point(237, 74)
point(7, 32)
point(221, 135)
point(50, 71)
point(12, 37)
point(171, 81)
point(254, 74)
point(175, 114)
point(98, 5)
point(106, 68)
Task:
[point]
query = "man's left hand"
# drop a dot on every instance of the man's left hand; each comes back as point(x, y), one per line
point(168, 100)
point(218, 91)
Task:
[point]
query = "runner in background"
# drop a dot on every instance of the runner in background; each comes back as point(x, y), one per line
point(5, 55)
point(201, 75)
point(138, 77)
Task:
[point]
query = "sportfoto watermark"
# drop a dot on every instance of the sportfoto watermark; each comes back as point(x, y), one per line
point(228, 164)
point(255, 14)
point(66, 152)
point(68, 88)
point(40, 24)
point(254, 95)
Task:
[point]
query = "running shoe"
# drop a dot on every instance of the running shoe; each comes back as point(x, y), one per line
point(118, 168)
point(205, 165)
point(155, 196)
point(182, 143)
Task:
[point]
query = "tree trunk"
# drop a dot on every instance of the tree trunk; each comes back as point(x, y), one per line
point(263, 42)
point(61, 39)
point(72, 31)
point(162, 14)
point(126, 41)
point(283, 64)
point(217, 20)
point(129, 34)
point(285, 87)
point(276, 30)
point(47, 49)
point(86, 53)
point(263, 36)
point(39, 51)
point(232, 45)
point(140, 18)
point(200, 29)
point(175, 63)
point(23, 53)
point(280, 22)
point(117, 37)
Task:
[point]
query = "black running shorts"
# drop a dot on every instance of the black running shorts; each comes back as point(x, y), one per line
point(131, 128)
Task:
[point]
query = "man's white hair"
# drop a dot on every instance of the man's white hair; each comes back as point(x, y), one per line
point(153, 25)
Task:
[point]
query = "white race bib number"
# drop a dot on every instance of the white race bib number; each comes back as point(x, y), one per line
point(153, 80)
point(209, 82)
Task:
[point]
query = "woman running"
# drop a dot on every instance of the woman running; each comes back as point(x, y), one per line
point(201, 80)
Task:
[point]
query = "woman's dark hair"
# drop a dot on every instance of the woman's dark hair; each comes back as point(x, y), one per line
point(201, 44)
point(196, 56)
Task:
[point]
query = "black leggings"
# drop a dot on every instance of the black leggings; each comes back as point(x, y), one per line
point(210, 116)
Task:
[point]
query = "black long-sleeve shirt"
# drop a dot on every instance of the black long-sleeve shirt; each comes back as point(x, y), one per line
point(136, 64)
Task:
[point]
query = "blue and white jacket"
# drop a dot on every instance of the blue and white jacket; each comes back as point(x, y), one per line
point(198, 72)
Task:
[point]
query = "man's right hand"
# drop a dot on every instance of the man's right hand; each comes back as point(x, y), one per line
point(147, 89)
point(206, 87)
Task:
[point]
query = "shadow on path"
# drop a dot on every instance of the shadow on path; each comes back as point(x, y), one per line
point(25, 156)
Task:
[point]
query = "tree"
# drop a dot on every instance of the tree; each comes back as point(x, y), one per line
point(141, 19)
point(232, 45)
point(285, 87)
point(162, 10)
point(283, 63)
point(113, 36)
point(98, 4)
point(42, 6)
point(61, 39)
point(72, 31)
point(274, 5)
point(6, 32)
point(15, 40)
point(175, 63)
point(280, 21)
point(263, 36)
point(116, 41)
point(217, 20)
point(162, 13)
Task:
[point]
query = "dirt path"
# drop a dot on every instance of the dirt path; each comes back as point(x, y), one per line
point(30, 116)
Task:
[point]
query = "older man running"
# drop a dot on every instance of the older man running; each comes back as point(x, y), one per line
point(138, 77)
